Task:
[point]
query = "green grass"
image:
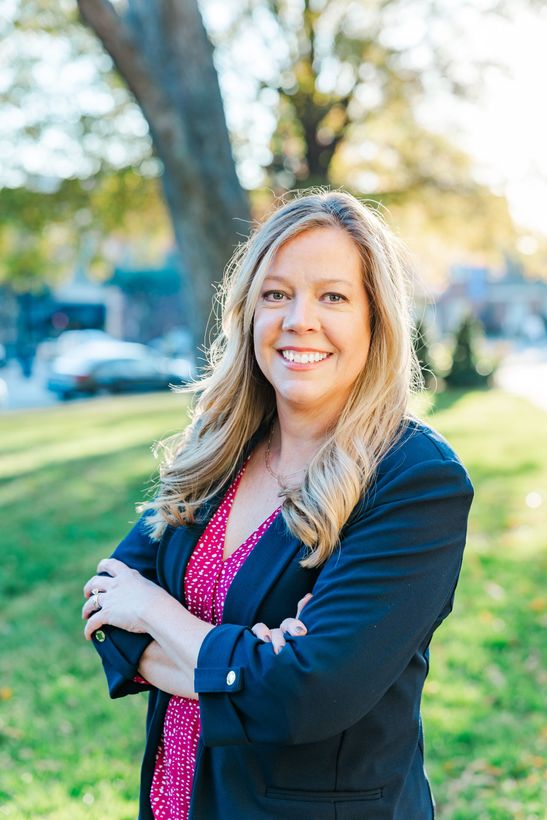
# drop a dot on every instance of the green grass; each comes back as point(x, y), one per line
point(69, 478)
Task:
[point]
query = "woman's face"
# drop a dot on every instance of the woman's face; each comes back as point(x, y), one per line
point(312, 322)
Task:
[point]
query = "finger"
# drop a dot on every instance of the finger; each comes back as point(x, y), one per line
point(111, 565)
point(89, 585)
point(302, 603)
point(90, 606)
point(100, 582)
point(94, 623)
point(262, 631)
point(293, 626)
point(278, 641)
point(87, 609)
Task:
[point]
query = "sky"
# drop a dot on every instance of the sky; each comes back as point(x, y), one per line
point(506, 130)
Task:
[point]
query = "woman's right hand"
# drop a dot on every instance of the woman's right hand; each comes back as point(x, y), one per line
point(291, 626)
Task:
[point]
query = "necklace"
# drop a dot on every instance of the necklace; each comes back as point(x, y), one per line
point(267, 459)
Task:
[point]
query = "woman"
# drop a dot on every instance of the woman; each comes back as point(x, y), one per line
point(301, 481)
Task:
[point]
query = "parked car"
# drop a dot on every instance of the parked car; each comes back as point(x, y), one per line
point(68, 341)
point(115, 367)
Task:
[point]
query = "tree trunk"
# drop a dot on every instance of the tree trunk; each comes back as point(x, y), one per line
point(162, 51)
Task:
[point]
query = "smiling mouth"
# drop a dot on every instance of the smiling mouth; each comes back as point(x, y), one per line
point(298, 357)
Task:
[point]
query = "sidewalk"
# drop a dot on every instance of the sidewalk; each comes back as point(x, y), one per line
point(524, 373)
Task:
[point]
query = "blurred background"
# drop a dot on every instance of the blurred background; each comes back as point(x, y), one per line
point(139, 142)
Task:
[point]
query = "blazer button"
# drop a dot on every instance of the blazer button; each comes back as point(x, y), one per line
point(231, 677)
point(99, 635)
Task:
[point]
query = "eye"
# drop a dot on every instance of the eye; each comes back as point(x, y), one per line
point(273, 295)
point(335, 298)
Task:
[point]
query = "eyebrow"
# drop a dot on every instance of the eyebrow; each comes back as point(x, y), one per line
point(324, 281)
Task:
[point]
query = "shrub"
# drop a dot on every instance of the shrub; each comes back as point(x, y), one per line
point(464, 371)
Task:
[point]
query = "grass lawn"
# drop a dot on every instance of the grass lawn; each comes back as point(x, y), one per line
point(69, 478)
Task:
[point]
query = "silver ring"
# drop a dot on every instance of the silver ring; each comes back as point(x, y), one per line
point(95, 592)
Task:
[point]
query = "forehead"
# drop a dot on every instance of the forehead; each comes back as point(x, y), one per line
point(318, 253)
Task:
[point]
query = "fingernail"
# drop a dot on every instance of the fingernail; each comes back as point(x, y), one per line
point(299, 629)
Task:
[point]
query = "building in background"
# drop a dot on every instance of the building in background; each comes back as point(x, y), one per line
point(138, 304)
point(509, 305)
point(153, 300)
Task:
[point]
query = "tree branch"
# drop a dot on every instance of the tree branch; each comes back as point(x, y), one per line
point(117, 39)
point(103, 19)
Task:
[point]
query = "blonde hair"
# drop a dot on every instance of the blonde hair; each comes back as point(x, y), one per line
point(235, 399)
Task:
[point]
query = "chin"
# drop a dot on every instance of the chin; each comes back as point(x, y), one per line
point(301, 399)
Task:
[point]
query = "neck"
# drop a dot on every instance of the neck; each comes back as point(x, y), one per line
point(295, 440)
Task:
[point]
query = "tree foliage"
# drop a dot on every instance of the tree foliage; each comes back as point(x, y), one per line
point(350, 81)
point(44, 235)
point(65, 112)
point(336, 64)
point(340, 85)
point(75, 159)
point(162, 53)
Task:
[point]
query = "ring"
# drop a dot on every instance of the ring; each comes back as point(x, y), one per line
point(95, 593)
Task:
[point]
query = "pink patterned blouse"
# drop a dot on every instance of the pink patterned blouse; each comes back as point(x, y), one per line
point(206, 582)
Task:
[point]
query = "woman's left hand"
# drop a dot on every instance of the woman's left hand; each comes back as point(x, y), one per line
point(119, 598)
point(290, 626)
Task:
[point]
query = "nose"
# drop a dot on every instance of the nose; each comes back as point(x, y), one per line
point(301, 315)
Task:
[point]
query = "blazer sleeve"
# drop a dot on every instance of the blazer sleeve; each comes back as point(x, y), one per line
point(120, 650)
point(375, 602)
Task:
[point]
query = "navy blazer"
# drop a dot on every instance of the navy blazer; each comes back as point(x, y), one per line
point(330, 728)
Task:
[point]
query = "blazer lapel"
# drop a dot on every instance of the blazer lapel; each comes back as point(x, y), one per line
point(267, 561)
point(175, 551)
point(174, 556)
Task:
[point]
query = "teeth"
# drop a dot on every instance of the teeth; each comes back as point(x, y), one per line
point(303, 358)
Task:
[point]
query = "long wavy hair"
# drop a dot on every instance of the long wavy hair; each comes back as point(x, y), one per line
point(234, 398)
